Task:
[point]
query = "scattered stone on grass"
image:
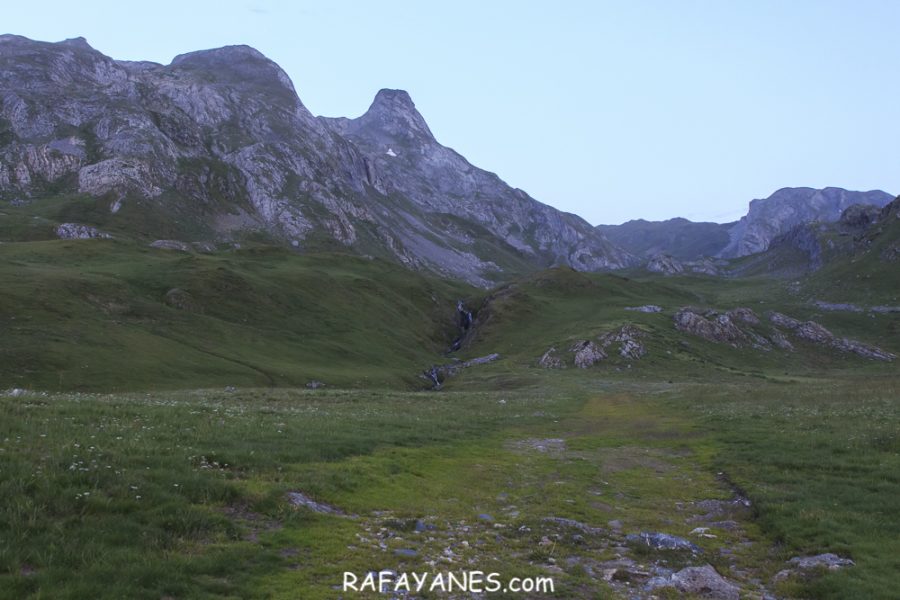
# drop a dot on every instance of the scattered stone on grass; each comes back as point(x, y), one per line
point(171, 245)
point(647, 308)
point(572, 523)
point(661, 541)
point(830, 561)
point(552, 446)
point(301, 499)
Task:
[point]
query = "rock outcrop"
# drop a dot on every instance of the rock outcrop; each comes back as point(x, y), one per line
point(709, 325)
point(627, 339)
point(742, 327)
point(587, 354)
point(76, 231)
point(550, 360)
point(667, 265)
point(624, 341)
point(815, 333)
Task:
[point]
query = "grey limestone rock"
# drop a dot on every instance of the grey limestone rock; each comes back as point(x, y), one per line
point(171, 245)
point(587, 354)
point(705, 582)
point(76, 231)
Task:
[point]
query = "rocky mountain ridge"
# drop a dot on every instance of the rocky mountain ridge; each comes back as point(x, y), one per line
point(766, 221)
point(219, 142)
point(789, 207)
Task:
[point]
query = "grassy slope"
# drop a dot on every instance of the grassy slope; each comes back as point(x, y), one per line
point(866, 277)
point(91, 315)
point(855, 264)
point(821, 460)
point(560, 306)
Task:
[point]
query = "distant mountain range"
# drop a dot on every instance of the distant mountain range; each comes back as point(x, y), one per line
point(766, 221)
point(217, 147)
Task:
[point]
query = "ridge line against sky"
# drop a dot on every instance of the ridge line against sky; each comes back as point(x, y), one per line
point(609, 110)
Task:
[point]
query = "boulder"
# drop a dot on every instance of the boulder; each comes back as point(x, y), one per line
point(549, 360)
point(587, 354)
point(705, 582)
point(829, 561)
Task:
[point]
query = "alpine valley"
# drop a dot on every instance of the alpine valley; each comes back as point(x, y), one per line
point(245, 349)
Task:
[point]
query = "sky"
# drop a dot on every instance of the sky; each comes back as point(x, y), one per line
point(613, 110)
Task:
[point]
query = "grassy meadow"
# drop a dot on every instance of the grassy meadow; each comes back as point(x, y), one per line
point(183, 494)
point(161, 419)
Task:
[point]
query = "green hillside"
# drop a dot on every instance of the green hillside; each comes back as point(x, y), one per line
point(560, 307)
point(115, 315)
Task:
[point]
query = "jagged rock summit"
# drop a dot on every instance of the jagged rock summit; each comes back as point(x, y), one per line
point(218, 146)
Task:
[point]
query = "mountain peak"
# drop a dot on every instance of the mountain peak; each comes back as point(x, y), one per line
point(77, 42)
point(217, 55)
point(237, 64)
point(389, 99)
point(394, 113)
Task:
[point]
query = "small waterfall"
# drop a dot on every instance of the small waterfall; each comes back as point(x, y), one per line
point(434, 375)
point(464, 322)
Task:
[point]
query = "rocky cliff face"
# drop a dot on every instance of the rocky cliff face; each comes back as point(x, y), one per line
point(789, 207)
point(410, 163)
point(220, 139)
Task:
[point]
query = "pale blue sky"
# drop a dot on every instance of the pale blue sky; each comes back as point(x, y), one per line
point(611, 110)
